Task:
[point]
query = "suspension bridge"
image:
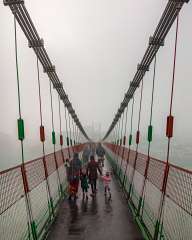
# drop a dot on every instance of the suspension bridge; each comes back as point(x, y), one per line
point(151, 197)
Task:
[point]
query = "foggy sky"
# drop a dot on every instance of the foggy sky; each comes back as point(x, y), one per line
point(95, 46)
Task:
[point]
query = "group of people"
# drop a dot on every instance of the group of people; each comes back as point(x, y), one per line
point(87, 174)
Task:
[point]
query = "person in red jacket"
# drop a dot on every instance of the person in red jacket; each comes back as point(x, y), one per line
point(92, 173)
point(74, 173)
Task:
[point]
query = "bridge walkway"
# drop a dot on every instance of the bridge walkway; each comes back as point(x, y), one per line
point(95, 219)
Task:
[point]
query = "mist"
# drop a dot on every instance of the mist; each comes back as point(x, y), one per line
point(95, 46)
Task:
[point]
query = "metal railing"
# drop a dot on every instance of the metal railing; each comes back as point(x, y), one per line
point(30, 195)
point(176, 220)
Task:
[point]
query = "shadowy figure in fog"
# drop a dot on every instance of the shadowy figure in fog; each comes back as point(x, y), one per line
point(86, 154)
point(100, 151)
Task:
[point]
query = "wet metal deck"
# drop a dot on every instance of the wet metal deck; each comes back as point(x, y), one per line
point(95, 219)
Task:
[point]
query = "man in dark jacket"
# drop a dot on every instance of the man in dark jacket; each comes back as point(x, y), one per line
point(92, 172)
point(100, 151)
point(86, 154)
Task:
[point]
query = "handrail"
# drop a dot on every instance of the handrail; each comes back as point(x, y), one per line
point(176, 222)
point(14, 222)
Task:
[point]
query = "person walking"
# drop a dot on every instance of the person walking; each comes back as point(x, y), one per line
point(100, 151)
point(92, 173)
point(86, 154)
point(84, 184)
point(106, 181)
point(74, 176)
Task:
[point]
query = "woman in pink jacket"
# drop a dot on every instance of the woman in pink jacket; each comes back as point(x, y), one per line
point(106, 181)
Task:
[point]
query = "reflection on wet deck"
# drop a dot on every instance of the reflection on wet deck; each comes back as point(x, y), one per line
point(95, 219)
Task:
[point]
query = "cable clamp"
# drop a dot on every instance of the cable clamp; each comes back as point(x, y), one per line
point(179, 1)
point(123, 104)
point(134, 84)
point(128, 96)
point(73, 115)
point(119, 112)
point(12, 2)
point(69, 106)
point(58, 85)
point(142, 67)
point(72, 112)
point(36, 43)
point(156, 42)
point(64, 97)
point(49, 69)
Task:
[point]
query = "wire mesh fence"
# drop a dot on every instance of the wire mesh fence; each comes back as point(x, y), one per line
point(13, 214)
point(147, 191)
point(29, 192)
point(177, 218)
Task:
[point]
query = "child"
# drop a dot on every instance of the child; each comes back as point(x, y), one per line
point(106, 181)
point(72, 191)
point(84, 184)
